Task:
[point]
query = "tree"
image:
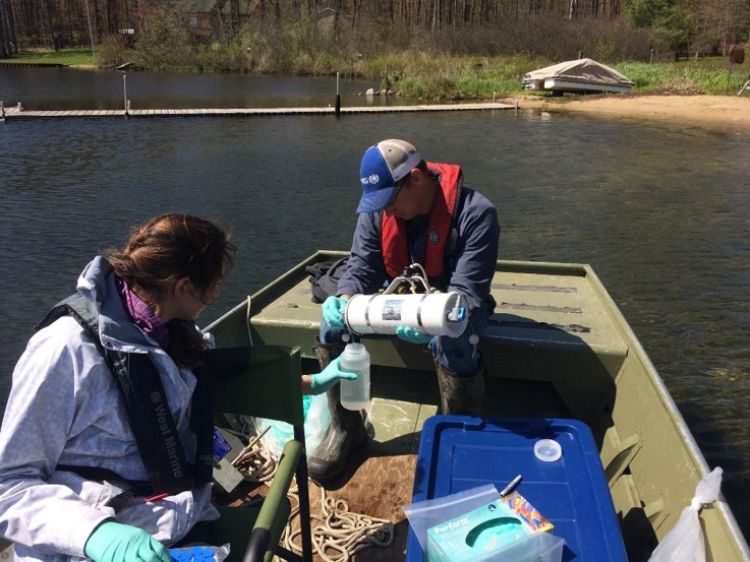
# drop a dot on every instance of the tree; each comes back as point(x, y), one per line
point(672, 28)
point(644, 13)
point(8, 45)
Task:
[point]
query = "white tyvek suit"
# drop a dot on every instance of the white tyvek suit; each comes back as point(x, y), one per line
point(64, 409)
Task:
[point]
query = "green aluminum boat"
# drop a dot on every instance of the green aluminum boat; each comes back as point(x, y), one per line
point(557, 346)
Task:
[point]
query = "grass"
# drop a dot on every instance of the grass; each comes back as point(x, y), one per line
point(428, 76)
point(715, 76)
point(442, 78)
point(72, 57)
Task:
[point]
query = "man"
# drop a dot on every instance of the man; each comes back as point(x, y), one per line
point(416, 211)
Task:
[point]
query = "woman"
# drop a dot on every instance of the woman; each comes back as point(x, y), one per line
point(91, 464)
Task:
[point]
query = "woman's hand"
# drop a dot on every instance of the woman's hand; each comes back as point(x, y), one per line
point(115, 542)
point(332, 374)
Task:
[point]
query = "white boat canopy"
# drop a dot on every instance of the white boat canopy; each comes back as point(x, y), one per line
point(582, 75)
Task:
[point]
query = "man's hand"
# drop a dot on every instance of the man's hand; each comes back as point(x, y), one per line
point(332, 374)
point(407, 333)
point(115, 542)
point(333, 311)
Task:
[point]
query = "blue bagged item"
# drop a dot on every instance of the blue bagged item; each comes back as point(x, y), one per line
point(199, 553)
point(317, 419)
point(221, 445)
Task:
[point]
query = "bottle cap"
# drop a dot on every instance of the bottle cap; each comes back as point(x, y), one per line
point(547, 450)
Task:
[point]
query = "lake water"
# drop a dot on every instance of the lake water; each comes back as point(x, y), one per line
point(660, 211)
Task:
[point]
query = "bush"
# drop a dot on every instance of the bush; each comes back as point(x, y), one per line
point(163, 42)
point(111, 53)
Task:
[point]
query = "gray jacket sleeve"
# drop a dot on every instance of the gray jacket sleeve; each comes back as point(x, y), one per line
point(64, 408)
point(34, 510)
point(473, 265)
point(365, 271)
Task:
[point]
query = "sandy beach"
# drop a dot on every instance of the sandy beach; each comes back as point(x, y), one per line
point(715, 112)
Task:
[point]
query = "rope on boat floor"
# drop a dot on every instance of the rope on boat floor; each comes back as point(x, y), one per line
point(340, 533)
point(337, 533)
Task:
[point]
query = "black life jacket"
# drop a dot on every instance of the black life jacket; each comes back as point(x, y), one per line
point(324, 278)
point(145, 401)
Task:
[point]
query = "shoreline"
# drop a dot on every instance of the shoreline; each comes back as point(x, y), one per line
point(726, 113)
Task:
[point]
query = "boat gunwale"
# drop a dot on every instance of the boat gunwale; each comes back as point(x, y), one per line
point(670, 405)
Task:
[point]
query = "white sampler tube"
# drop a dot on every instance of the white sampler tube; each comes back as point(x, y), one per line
point(436, 314)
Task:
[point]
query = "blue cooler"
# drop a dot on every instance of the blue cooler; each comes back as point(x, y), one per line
point(458, 453)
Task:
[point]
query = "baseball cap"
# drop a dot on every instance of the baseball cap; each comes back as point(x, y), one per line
point(383, 166)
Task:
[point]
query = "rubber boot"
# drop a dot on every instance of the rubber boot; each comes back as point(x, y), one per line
point(460, 395)
point(346, 432)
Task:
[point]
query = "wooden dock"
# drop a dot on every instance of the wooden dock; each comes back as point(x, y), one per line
point(14, 113)
point(21, 64)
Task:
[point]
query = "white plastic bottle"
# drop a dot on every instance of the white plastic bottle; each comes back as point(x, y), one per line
point(355, 395)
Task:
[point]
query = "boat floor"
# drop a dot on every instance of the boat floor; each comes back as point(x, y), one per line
point(379, 477)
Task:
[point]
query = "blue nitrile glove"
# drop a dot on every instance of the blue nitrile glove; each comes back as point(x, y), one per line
point(115, 542)
point(333, 311)
point(331, 375)
point(407, 333)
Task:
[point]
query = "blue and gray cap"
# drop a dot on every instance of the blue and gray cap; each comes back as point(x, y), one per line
point(383, 166)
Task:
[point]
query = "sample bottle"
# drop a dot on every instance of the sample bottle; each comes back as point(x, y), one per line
point(355, 395)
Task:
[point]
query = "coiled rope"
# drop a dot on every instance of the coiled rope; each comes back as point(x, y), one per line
point(337, 533)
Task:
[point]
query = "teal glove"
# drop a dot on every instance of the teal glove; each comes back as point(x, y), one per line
point(331, 375)
point(333, 311)
point(407, 333)
point(115, 542)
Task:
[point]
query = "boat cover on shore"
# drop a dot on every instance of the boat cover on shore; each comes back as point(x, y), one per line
point(578, 75)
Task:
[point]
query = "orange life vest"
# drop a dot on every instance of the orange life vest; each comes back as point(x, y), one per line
point(393, 237)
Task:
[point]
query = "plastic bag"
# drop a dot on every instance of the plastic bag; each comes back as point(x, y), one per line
point(428, 513)
point(317, 419)
point(199, 553)
point(540, 547)
point(684, 543)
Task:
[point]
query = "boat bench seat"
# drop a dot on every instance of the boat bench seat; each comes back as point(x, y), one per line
point(539, 315)
point(555, 311)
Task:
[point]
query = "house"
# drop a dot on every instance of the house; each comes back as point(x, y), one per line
point(211, 19)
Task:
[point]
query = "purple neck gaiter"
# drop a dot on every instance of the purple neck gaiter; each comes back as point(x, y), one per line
point(142, 315)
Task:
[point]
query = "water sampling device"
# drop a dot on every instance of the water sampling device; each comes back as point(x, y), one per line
point(409, 300)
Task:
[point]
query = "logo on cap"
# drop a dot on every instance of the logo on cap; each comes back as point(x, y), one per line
point(372, 178)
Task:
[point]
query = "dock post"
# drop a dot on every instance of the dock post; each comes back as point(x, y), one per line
point(125, 92)
point(338, 97)
point(2, 111)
